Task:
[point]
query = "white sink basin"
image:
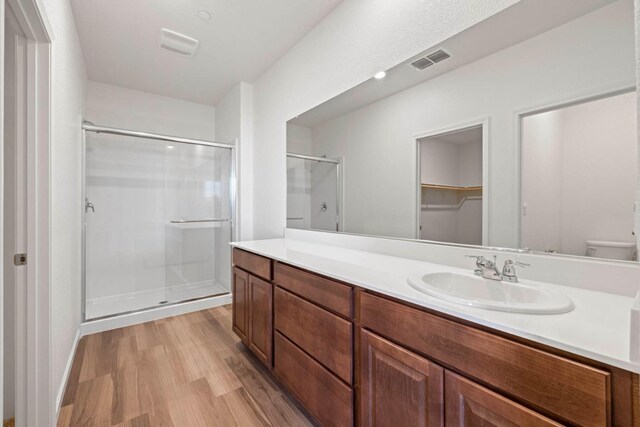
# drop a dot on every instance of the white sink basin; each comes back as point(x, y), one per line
point(471, 290)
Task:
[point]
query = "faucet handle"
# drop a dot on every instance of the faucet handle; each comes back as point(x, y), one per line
point(518, 263)
point(509, 270)
point(480, 260)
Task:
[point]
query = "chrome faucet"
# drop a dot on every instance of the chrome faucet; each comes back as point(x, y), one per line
point(489, 269)
point(486, 268)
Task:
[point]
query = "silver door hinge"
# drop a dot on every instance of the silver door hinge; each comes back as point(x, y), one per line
point(20, 259)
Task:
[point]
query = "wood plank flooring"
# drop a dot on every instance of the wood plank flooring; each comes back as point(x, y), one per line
point(188, 370)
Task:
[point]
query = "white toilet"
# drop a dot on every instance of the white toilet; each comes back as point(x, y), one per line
point(612, 250)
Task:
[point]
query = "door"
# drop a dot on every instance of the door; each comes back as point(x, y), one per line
point(469, 404)
point(15, 276)
point(241, 304)
point(398, 387)
point(260, 319)
point(197, 201)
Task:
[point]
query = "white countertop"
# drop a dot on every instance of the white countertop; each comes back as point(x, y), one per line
point(599, 327)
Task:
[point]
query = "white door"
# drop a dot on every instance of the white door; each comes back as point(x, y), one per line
point(14, 215)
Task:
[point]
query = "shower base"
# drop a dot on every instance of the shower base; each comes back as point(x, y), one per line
point(117, 304)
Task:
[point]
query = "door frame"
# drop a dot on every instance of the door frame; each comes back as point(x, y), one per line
point(35, 395)
point(543, 107)
point(485, 124)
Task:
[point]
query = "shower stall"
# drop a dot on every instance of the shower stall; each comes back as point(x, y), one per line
point(158, 219)
point(313, 192)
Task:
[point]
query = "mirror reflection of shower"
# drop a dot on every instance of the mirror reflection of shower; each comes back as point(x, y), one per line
point(313, 192)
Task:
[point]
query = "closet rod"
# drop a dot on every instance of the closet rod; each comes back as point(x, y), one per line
point(452, 207)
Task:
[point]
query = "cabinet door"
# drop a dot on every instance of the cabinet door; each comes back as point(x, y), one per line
point(241, 304)
point(260, 319)
point(469, 404)
point(398, 387)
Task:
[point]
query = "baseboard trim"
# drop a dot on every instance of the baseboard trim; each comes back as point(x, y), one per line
point(101, 325)
point(67, 371)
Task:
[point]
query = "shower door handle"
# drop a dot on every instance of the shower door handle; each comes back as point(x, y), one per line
point(88, 205)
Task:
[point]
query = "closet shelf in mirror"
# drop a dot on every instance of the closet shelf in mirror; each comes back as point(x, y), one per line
point(451, 187)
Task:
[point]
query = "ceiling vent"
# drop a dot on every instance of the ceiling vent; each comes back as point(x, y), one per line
point(178, 43)
point(422, 63)
point(431, 59)
point(438, 55)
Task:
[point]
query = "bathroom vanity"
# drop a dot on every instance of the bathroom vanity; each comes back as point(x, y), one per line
point(355, 352)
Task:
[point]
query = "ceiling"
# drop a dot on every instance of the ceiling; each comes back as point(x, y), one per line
point(524, 20)
point(242, 40)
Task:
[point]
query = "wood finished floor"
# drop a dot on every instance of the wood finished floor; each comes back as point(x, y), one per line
point(188, 370)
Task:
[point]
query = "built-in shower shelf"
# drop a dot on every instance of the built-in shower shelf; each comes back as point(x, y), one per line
point(451, 187)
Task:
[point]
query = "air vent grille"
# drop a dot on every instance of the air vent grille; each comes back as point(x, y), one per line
point(422, 63)
point(431, 59)
point(439, 55)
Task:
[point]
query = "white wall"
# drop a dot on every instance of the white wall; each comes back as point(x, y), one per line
point(357, 39)
point(114, 106)
point(599, 190)
point(234, 123)
point(380, 136)
point(68, 80)
point(541, 195)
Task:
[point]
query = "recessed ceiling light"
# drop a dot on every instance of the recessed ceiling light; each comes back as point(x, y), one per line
point(204, 15)
point(380, 75)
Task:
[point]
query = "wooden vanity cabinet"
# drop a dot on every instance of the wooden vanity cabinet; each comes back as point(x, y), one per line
point(253, 304)
point(314, 343)
point(397, 386)
point(470, 404)
point(345, 351)
point(260, 339)
point(240, 304)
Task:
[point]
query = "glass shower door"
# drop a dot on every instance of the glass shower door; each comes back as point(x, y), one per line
point(124, 224)
point(157, 223)
point(198, 221)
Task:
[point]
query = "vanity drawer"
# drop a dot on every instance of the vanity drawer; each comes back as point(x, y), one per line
point(322, 291)
point(325, 336)
point(571, 391)
point(254, 264)
point(324, 395)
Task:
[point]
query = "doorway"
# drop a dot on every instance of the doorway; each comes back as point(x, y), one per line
point(578, 177)
point(450, 187)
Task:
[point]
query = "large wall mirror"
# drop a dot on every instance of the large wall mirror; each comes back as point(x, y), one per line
point(519, 132)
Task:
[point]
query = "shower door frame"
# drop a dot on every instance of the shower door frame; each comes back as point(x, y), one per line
point(233, 188)
point(339, 188)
